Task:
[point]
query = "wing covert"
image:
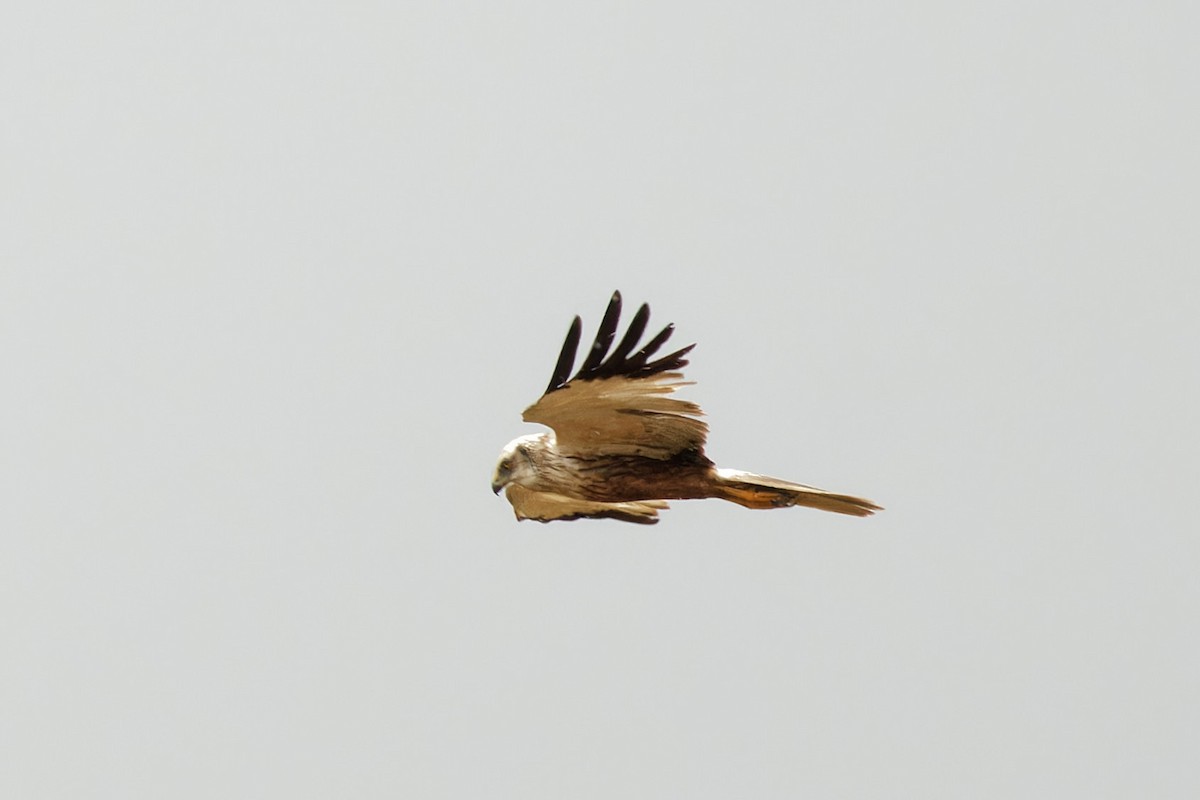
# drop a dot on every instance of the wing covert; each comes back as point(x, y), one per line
point(619, 404)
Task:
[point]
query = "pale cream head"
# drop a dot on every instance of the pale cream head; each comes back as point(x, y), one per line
point(516, 464)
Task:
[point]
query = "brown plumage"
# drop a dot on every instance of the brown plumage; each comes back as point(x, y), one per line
point(622, 445)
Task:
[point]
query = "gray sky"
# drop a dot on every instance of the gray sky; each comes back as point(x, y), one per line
point(278, 280)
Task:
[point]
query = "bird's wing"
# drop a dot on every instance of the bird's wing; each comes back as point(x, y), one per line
point(619, 403)
point(548, 506)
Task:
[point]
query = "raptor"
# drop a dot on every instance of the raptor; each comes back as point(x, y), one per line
point(622, 445)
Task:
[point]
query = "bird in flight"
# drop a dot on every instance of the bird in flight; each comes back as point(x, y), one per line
point(622, 446)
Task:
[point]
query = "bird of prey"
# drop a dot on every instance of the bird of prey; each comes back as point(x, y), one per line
point(622, 445)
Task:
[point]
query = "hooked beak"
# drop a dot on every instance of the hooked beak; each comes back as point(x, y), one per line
point(497, 485)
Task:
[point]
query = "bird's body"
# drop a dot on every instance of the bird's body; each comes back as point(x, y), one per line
point(622, 447)
point(616, 478)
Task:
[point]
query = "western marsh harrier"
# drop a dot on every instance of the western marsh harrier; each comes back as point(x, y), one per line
point(622, 445)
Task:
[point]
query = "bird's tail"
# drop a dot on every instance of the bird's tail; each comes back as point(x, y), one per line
point(759, 491)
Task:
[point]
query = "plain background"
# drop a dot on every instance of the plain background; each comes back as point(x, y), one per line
point(278, 279)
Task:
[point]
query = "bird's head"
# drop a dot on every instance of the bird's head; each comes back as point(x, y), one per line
point(516, 462)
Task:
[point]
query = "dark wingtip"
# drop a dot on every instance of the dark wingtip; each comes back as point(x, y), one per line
point(604, 336)
point(620, 356)
point(566, 356)
point(668, 363)
point(599, 363)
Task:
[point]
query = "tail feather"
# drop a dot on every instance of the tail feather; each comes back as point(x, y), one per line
point(759, 491)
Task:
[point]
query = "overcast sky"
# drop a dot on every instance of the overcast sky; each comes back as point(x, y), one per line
point(278, 279)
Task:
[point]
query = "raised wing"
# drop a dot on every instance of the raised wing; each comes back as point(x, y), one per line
point(547, 506)
point(618, 403)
